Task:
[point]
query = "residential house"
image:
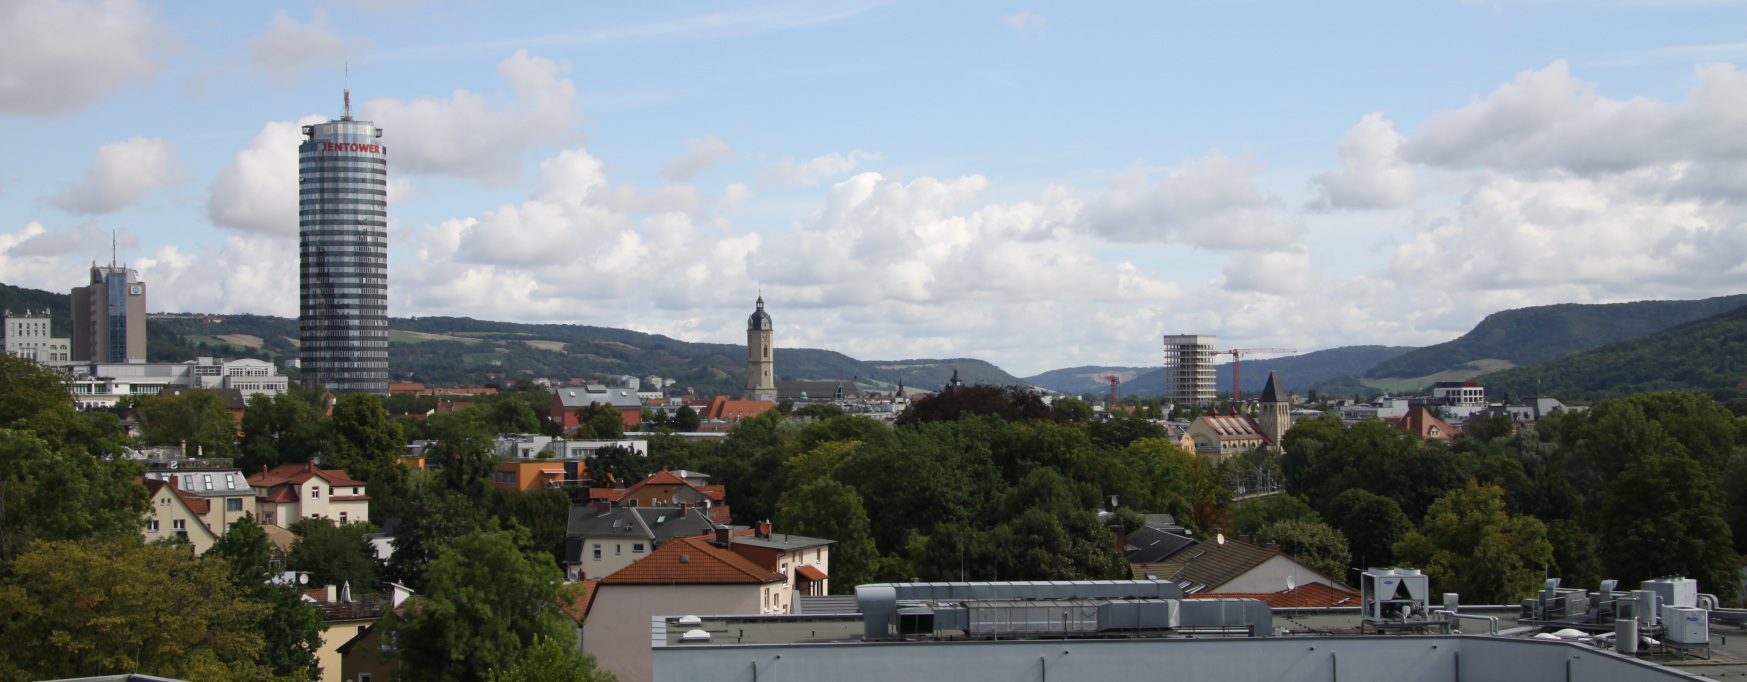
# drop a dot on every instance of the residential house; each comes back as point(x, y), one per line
point(1150, 545)
point(536, 446)
point(726, 409)
point(176, 514)
point(350, 620)
point(290, 492)
point(1222, 435)
point(566, 401)
point(804, 562)
point(668, 489)
point(600, 538)
point(224, 490)
point(1231, 565)
point(1420, 420)
point(689, 575)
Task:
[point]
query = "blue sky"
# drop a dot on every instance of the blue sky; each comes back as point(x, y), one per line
point(1039, 185)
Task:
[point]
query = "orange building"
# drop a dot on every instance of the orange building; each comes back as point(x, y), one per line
point(530, 474)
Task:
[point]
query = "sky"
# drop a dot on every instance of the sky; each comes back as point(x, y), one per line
point(1035, 184)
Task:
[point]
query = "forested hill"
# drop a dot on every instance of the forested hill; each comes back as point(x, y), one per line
point(1707, 354)
point(1528, 335)
point(19, 299)
point(1298, 371)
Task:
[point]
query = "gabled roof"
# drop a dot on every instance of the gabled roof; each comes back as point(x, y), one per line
point(663, 477)
point(692, 561)
point(1152, 545)
point(1272, 392)
point(1207, 565)
point(1233, 427)
point(300, 472)
point(583, 396)
point(1421, 421)
point(657, 524)
point(575, 598)
point(811, 572)
point(1306, 596)
point(724, 407)
point(817, 390)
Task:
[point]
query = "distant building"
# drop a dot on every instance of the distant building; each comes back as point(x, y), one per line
point(219, 495)
point(760, 367)
point(1421, 421)
point(1189, 369)
point(1274, 410)
point(29, 335)
point(109, 317)
point(601, 538)
point(812, 391)
point(343, 273)
point(290, 492)
point(1228, 565)
point(1460, 393)
point(1222, 435)
point(566, 401)
point(98, 386)
point(175, 513)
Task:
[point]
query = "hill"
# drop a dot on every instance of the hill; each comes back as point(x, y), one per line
point(1086, 379)
point(60, 306)
point(1706, 354)
point(1298, 371)
point(1529, 335)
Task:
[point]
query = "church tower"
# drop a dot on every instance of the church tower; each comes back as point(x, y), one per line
point(1274, 410)
point(760, 371)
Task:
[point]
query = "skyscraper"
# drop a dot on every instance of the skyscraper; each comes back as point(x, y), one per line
point(760, 369)
point(109, 316)
point(1189, 369)
point(343, 233)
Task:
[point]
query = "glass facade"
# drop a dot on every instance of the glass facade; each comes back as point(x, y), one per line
point(343, 235)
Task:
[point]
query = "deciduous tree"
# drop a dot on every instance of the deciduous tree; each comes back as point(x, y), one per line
point(828, 509)
point(1470, 545)
point(1665, 517)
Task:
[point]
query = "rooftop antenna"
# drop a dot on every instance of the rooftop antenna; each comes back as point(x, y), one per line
point(112, 249)
point(348, 93)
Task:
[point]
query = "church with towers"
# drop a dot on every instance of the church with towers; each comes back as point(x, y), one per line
point(1222, 435)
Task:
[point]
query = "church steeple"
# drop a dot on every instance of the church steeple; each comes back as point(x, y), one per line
point(760, 367)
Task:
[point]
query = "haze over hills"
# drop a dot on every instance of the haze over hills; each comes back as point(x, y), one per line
point(1706, 354)
point(1298, 371)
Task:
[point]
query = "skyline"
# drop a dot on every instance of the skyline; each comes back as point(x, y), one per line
point(1038, 185)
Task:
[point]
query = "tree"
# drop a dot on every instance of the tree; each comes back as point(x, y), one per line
point(686, 419)
point(1011, 403)
point(1038, 545)
point(1312, 543)
point(486, 602)
point(619, 462)
point(280, 428)
point(550, 660)
point(599, 421)
point(197, 418)
point(1163, 478)
point(431, 518)
point(1123, 428)
point(290, 630)
point(50, 493)
point(828, 509)
point(1469, 544)
point(542, 514)
point(1071, 410)
point(155, 610)
point(335, 554)
point(33, 393)
point(1663, 516)
point(465, 447)
point(1371, 523)
point(1252, 515)
point(1487, 426)
point(367, 444)
point(1575, 559)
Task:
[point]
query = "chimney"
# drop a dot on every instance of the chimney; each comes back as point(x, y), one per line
point(329, 594)
point(682, 508)
point(764, 529)
point(1121, 537)
point(725, 537)
point(602, 507)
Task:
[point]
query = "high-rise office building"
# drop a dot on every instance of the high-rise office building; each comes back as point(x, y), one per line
point(1189, 369)
point(109, 316)
point(342, 179)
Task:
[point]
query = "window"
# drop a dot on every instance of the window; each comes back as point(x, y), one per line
point(597, 552)
point(178, 524)
point(330, 491)
point(314, 491)
point(152, 526)
point(208, 478)
point(230, 481)
point(342, 517)
point(234, 504)
point(617, 549)
point(363, 677)
point(636, 548)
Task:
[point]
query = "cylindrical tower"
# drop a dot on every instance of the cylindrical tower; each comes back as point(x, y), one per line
point(343, 233)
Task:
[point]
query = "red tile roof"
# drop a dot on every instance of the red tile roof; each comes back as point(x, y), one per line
point(1421, 421)
point(1234, 427)
point(575, 598)
point(298, 473)
point(663, 477)
point(724, 407)
point(692, 560)
point(811, 572)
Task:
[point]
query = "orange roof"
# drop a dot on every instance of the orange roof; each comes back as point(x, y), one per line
point(663, 477)
point(195, 503)
point(724, 407)
point(1421, 421)
point(298, 473)
point(718, 513)
point(281, 494)
point(692, 560)
point(811, 572)
point(574, 598)
point(1234, 427)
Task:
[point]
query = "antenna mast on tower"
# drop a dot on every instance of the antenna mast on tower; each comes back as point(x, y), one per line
point(348, 93)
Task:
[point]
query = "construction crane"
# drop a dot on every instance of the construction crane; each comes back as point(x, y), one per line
point(1237, 354)
point(1114, 380)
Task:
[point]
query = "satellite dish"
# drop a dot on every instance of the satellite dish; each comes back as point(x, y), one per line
point(303, 578)
point(1220, 537)
point(1291, 582)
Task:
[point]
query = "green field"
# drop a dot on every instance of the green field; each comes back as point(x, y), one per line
point(1463, 373)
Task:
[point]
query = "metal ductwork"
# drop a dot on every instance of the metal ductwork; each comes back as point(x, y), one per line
point(1031, 609)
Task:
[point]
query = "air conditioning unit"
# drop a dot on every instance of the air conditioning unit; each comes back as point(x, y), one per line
point(1686, 625)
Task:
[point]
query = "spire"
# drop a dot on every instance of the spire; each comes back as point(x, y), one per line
point(1271, 392)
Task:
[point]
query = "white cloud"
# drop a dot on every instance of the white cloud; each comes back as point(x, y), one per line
point(1373, 174)
point(246, 274)
point(1211, 202)
point(1026, 22)
point(1281, 273)
point(788, 171)
point(467, 136)
point(288, 47)
point(122, 173)
point(700, 154)
point(257, 191)
point(56, 56)
point(55, 260)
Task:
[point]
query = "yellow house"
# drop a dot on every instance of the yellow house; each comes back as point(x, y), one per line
point(175, 513)
point(225, 490)
point(290, 492)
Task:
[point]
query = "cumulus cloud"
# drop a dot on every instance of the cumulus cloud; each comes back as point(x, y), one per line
point(1026, 22)
point(257, 190)
point(467, 136)
point(36, 256)
point(120, 174)
point(1373, 174)
point(1211, 202)
point(1272, 272)
point(700, 154)
point(246, 274)
point(57, 56)
point(288, 47)
point(788, 171)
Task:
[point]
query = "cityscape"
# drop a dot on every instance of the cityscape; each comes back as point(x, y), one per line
point(449, 383)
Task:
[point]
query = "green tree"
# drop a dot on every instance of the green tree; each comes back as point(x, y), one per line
point(512, 414)
point(367, 444)
point(1576, 562)
point(1469, 544)
point(1372, 525)
point(280, 428)
point(828, 509)
point(542, 514)
point(1038, 545)
point(601, 421)
point(49, 493)
point(486, 602)
point(1487, 426)
point(1071, 410)
point(154, 610)
point(290, 630)
point(335, 554)
point(197, 418)
point(686, 419)
point(431, 518)
point(619, 462)
point(1011, 403)
point(551, 660)
point(466, 450)
point(1665, 517)
point(1312, 543)
point(1123, 428)
point(1252, 515)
